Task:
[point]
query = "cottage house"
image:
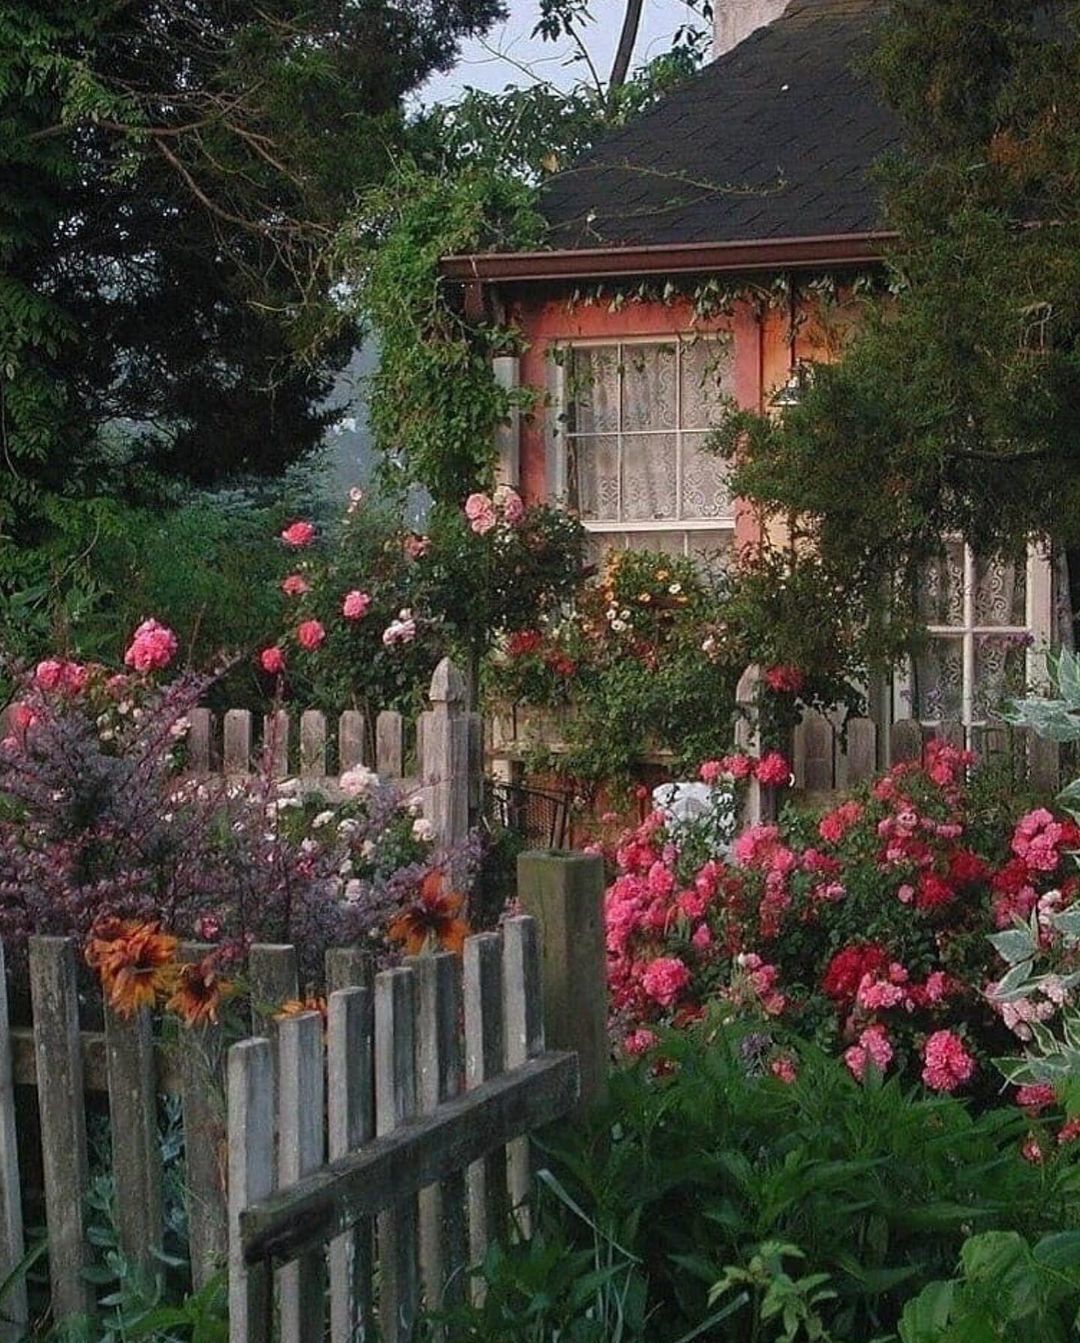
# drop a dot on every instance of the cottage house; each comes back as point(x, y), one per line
point(689, 257)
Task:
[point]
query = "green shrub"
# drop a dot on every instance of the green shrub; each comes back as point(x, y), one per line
point(820, 1206)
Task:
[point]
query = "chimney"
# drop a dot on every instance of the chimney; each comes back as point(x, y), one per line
point(735, 20)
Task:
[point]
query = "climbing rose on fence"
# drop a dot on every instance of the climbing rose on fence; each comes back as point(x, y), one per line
point(864, 929)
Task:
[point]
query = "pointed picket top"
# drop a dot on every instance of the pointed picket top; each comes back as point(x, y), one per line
point(746, 692)
point(447, 684)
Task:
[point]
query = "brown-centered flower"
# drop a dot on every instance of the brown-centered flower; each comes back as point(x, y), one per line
point(198, 993)
point(136, 962)
point(432, 920)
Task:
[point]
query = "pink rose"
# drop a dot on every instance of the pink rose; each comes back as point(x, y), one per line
point(783, 1069)
point(508, 502)
point(664, 979)
point(298, 534)
point(773, 770)
point(208, 927)
point(153, 646)
point(480, 511)
point(416, 547)
point(356, 605)
point(295, 586)
point(873, 1047)
point(640, 1042)
point(272, 660)
point(48, 675)
point(710, 771)
point(946, 1063)
point(310, 634)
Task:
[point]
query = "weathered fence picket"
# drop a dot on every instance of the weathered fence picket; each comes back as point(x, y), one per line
point(13, 1313)
point(136, 1151)
point(58, 1050)
point(428, 1074)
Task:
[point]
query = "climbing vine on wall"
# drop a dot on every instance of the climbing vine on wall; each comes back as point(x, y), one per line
point(435, 401)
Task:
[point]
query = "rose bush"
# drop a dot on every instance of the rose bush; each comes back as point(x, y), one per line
point(864, 930)
point(372, 607)
point(649, 658)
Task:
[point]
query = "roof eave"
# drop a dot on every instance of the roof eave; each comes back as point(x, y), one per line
point(841, 249)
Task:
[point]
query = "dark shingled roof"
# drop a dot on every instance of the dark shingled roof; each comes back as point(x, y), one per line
point(772, 140)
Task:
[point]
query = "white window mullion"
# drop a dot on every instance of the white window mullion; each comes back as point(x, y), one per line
point(620, 374)
point(967, 689)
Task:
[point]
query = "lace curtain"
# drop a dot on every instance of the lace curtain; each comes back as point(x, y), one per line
point(637, 420)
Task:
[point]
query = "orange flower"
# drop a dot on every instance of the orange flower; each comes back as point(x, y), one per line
point(198, 993)
point(296, 1007)
point(135, 962)
point(431, 919)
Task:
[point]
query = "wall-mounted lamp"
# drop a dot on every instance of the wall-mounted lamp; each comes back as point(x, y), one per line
point(793, 391)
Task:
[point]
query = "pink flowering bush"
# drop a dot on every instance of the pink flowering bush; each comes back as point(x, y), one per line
point(98, 818)
point(865, 929)
point(369, 607)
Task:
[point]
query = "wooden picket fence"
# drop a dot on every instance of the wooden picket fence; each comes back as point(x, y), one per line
point(441, 754)
point(380, 1150)
point(828, 757)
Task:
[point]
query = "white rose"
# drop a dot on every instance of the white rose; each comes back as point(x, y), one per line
point(323, 818)
point(358, 781)
point(353, 891)
point(423, 830)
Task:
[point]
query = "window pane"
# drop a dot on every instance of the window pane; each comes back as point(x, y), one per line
point(937, 690)
point(593, 476)
point(1000, 591)
point(941, 599)
point(707, 378)
point(1000, 671)
point(648, 477)
point(593, 390)
point(648, 387)
point(704, 480)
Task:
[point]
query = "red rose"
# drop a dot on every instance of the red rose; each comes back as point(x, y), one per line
point(784, 679)
point(845, 971)
point(933, 891)
point(966, 868)
point(524, 642)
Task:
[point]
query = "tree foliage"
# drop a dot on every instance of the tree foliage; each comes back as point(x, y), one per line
point(956, 408)
point(171, 177)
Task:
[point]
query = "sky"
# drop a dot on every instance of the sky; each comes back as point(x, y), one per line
point(495, 61)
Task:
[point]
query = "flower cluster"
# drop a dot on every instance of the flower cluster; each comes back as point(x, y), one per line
point(865, 929)
point(486, 512)
point(104, 838)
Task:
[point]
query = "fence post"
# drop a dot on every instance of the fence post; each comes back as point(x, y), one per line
point(564, 893)
point(58, 1048)
point(446, 756)
point(13, 1312)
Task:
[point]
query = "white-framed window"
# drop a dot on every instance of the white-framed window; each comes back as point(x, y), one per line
point(633, 418)
point(988, 623)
